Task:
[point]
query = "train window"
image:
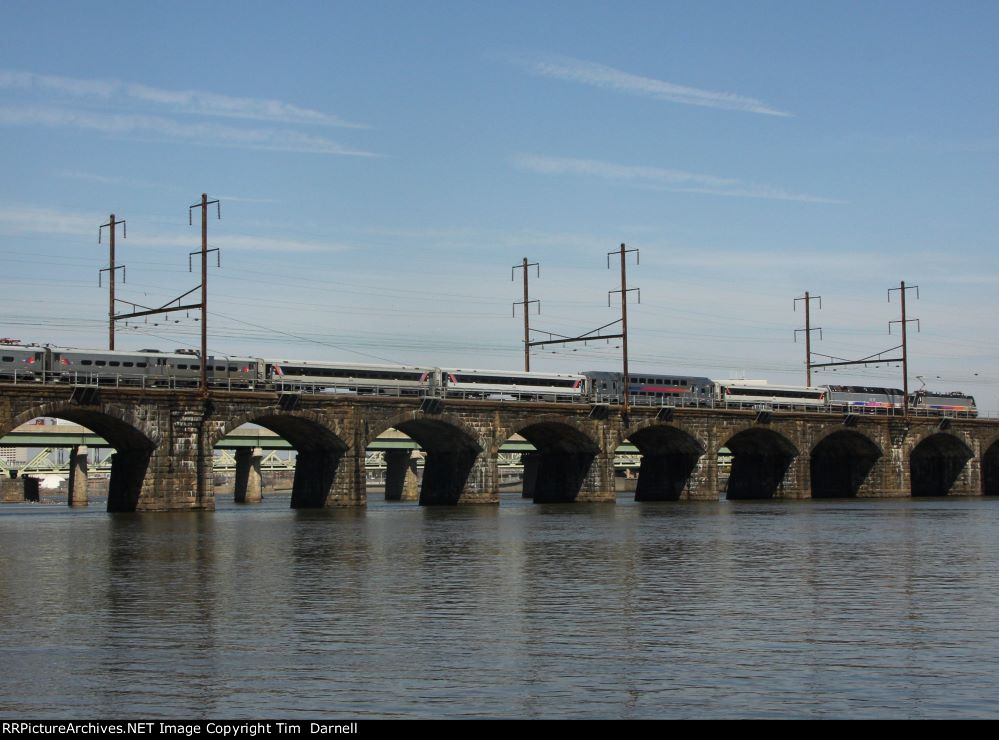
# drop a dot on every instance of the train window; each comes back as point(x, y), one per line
point(233, 368)
point(8, 359)
point(114, 363)
point(195, 367)
point(86, 362)
point(128, 364)
point(182, 367)
point(100, 363)
point(140, 364)
point(220, 368)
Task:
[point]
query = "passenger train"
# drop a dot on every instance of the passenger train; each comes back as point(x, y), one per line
point(181, 369)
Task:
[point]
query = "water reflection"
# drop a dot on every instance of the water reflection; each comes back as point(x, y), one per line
point(684, 609)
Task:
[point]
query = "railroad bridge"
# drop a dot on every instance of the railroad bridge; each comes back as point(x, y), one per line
point(164, 442)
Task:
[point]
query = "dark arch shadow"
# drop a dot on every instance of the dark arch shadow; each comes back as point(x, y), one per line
point(990, 470)
point(563, 459)
point(450, 457)
point(841, 463)
point(132, 452)
point(319, 452)
point(936, 463)
point(760, 459)
point(669, 456)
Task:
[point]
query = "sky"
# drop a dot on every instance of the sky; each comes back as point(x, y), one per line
point(382, 166)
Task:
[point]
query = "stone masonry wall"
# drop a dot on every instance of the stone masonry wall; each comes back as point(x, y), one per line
point(164, 442)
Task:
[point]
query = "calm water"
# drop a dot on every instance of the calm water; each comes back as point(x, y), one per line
point(749, 609)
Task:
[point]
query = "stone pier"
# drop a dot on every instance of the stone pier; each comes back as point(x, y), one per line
point(248, 486)
point(531, 461)
point(401, 479)
point(77, 488)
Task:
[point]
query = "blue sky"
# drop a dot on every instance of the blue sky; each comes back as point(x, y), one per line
point(381, 166)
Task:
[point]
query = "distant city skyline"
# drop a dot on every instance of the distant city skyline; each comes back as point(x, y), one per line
point(382, 167)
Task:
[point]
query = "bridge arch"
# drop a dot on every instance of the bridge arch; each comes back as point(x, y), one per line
point(451, 448)
point(319, 450)
point(936, 463)
point(565, 453)
point(669, 457)
point(132, 440)
point(760, 460)
point(840, 463)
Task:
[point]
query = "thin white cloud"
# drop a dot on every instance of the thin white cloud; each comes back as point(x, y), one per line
point(675, 180)
point(102, 179)
point(93, 177)
point(193, 102)
point(243, 199)
point(242, 242)
point(609, 78)
point(55, 222)
point(166, 128)
point(35, 220)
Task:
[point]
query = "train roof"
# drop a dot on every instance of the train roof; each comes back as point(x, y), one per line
point(509, 373)
point(922, 392)
point(603, 374)
point(344, 365)
point(864, 389)
point(765, 386)
point(186, 354)
point(120, 352)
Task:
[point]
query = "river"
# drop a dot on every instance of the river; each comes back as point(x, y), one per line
point(796, 609)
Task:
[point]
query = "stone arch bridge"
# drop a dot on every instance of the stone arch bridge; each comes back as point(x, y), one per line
point(164, 443)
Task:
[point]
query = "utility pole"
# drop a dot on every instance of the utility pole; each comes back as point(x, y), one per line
point(879, 357)
point(623, 252)
point(111, 270)
point(203, 205)
point(808, 332)
point(905, 348)
point(526, 303)
point(169, 308)
point(596, 333)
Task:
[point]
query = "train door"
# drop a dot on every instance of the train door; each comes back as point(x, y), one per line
point(36, 364)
